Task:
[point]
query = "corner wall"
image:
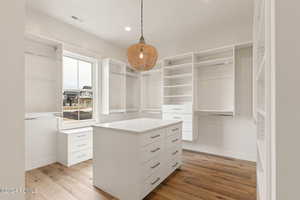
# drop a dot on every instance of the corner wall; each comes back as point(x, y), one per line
point(12, 156)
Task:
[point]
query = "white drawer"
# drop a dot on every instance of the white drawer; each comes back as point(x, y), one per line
point(182, 117)
point(78, 145)
point(151, 151)
point(174, 129)
point(152, 182)
point(173, 140)
point(80, 156)
point(187, 108)
point(173, 165)
point(174, 152)
point(81, 136)
point(153, 136)
point(152, 166)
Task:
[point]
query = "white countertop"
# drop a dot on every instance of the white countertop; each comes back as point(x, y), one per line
point(139, 125)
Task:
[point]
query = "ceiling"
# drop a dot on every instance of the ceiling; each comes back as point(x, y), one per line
point(166, 21)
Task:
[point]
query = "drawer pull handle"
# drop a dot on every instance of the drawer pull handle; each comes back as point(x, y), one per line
point(177, 109)
point(155, 150)
point(175, 129)
point(175, 165)
point(174, 153)
point(176, 117)
point(173, 141)
point(155, 136)
point(154, 166)
point(153, 183)
point(81, 145)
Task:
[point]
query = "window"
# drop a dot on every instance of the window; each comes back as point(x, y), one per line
point(78, 88)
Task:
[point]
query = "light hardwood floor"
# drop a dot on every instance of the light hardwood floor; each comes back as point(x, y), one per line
point(202, 177)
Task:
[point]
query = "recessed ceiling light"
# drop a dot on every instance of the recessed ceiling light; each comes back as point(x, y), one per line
point(127, 28)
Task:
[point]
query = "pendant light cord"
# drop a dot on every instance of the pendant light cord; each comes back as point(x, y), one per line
point(142, 18)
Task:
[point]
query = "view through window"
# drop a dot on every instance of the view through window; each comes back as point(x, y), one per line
point(77, 89)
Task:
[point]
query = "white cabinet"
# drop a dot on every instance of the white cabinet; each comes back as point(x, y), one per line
point(40, 139)
point(138, 153)
point(74, 146)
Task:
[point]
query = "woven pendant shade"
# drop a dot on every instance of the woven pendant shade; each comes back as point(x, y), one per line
point(142, 56)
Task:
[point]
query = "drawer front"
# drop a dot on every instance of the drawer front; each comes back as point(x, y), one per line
point(152, 182)
point(151, 151)
point(182, 117)
point(151, 137)
point(174, 152)
point(177, 108)
point(81, 136)
point(80, 156)
point(152, 166)
point(78, 145)
point(174, 129)
point(173, 165)
point(173, 140)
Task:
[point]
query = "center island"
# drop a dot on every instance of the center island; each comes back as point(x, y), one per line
point(132, 157)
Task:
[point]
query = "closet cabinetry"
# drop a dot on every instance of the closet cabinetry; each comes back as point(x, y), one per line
point(120, 88)
point(261, 86)
point(215, 81)
point(178, 92)
point(151, 90)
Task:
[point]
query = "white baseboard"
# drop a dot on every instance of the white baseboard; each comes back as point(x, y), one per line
point(221, 152)
point(41, 163)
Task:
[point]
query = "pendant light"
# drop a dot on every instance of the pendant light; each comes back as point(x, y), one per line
point(142, 56)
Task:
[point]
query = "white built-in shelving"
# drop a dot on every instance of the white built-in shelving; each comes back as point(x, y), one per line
point(261, 111)
point(151, 90)
point(215, 81)
point(120, 87)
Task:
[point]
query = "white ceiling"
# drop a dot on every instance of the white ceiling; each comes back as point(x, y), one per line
point(166, 21)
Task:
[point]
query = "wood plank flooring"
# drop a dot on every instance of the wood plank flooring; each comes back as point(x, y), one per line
point(202, 177)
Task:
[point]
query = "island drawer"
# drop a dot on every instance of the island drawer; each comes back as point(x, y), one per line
point(152, 166)
point(152, 182)
point(151, 151)
point(173, 129)
point(173, 140)
point(150, 137)
point(77, 145)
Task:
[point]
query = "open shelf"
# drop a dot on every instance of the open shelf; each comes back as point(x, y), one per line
point(179, 76)
point(216, 112)
point(215, 62)
point(184, 65)
point(178, 86)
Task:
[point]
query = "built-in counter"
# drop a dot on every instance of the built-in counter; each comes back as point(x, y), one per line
point(133, 157)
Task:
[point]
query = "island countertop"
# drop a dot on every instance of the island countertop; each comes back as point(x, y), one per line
point(139, 125)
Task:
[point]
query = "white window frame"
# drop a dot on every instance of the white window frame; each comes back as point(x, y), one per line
point(83, 123)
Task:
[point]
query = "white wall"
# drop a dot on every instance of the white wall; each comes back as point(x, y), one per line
point(232, 136)
point(214, 37)
point(12, 98)
point(73, 38)
point(286, 43)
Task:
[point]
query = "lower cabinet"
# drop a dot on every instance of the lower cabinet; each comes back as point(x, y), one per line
point(130, 165)
point(74, 146)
